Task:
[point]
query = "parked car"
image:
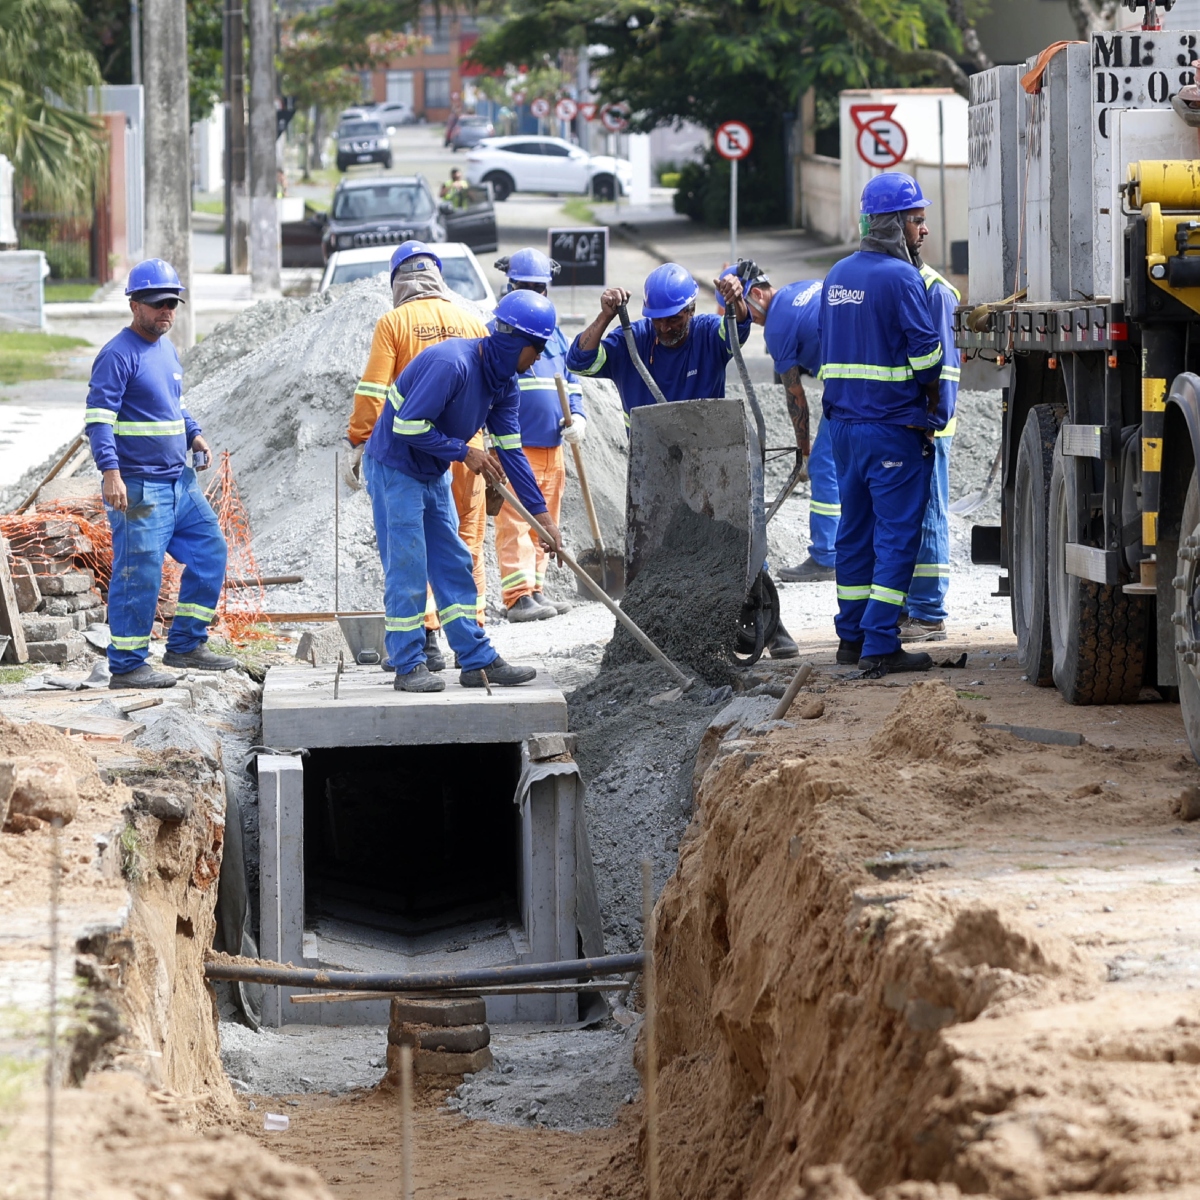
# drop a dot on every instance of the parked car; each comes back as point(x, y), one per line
point(387, 210)
point(460, 269)
point(545, 164)
point(360, 112)
point(300, 241)
point(391, 114)
point(361, 142)
point(467, 130)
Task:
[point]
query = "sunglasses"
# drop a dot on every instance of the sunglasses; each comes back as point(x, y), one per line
point(172, 303)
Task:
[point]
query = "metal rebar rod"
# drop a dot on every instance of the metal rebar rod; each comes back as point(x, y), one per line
point(500, 989)
point(428, 981)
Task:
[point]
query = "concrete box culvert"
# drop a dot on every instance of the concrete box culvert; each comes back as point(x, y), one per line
point(417, 834)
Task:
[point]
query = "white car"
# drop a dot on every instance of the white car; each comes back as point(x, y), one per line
point(391, 114)
point(460, 269)
point(546, 164)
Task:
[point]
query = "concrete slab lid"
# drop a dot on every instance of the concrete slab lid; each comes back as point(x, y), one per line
point(298, 709)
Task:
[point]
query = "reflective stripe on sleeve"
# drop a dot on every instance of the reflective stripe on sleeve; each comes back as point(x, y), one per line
point(951, 374)
point(378, 390)
point(848, 592)
point(410, 428)
point(394, 398)
point(951, 426)
point(536, 383)
point(866, 371)
point(149, 428)
point(825, 510)
point(99, 416)
point(931, 571)
point(924, 361)
point(601, 359)
point(887, 595)
point(506, 441)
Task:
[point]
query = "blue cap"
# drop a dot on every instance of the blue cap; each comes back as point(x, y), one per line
point(411, 249)
point(893, 191)
point(669, 290)
point(154, 279)
point(526, 312)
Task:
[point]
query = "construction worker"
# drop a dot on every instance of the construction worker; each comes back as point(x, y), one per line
point(426, 312)
point(881, 357)
point(454, 190)
point(788, 316)
point(140, 435)
point(925, 619)
point(438, 403)
point(522, 557)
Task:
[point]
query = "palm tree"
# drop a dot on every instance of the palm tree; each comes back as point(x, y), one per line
point(45, 129)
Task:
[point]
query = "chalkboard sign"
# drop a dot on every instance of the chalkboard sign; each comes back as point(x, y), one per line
point(582, 254)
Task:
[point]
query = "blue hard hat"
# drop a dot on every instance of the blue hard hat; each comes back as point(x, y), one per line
point(893, 191)
point(155, 277)
point(411, 249)
point(531, 266)
point(669, 290)
point(526, 312)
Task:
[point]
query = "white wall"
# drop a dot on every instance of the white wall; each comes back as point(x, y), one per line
point(208, 152)
point(685, 144)
point(8, 226)
point(821, 196)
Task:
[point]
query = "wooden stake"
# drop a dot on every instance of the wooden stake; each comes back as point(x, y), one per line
point(52, 1039)
point(406, 1133)
point(648, 1028)
point(54, 470)
point(10, 614)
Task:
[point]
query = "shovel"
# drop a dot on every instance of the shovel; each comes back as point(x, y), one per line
point(607, 571)
point(973, 500)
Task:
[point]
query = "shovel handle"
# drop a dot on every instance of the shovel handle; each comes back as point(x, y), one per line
point(560, 383)
point(686, 682)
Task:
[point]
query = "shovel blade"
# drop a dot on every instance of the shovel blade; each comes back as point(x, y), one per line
point(968, 504)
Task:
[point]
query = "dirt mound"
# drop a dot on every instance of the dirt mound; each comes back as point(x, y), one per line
point(924, 724)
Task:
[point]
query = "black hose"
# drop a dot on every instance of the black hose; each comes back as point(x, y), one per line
point(647, 378)
point(735, 347)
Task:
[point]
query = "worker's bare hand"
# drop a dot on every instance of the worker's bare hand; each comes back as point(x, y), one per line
point(612, 299)
point(112, 488)
point(202, 454)
point(485, 464)
point(550, 536)
point(730, 289)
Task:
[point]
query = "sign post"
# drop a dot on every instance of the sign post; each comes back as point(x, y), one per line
point(733, 141)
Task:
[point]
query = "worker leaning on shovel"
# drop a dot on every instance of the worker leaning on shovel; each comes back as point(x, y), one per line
point(425, 313)
point(140, 435)
point(440, 400)
point(522, 556)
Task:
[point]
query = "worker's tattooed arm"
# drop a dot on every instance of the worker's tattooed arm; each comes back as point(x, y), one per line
point(610, 303)
point(797, 409)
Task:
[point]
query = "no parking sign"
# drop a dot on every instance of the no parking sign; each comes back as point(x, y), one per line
point(881, 140)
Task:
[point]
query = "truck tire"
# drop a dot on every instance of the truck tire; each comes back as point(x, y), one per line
point(1186, 619)
point(1098, 632)
point(1030, 600)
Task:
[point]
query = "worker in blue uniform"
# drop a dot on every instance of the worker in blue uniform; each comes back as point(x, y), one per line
point(543, 431)
point(140, 435)
point(788, 316)
point(881, 357)
point(440, 400)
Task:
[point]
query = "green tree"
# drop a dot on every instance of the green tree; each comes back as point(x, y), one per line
point(45, 130)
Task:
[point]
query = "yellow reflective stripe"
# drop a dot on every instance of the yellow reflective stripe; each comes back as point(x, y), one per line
point(601, 359)
point(539, 579)
point(516, 578)
point(626, 415)
point(507, 441)
point(130, 643)
point(99, 416)
point(951, 374)
point(1149, 530)
point(931, 277)
point(410, 428)
point(1154, 395)
point(846, 592)
point(931, 570)
point(924, 361)
point(455, 612)
point(887, 595)
point(371, 389)
point(195, 610)
point(536, 383)
point(394, 397)
point(1151, 454)
point(575, 389)
point(403, 624)
point(149, 428)
point(866, 371)
point(825, 510)
point(951, 425)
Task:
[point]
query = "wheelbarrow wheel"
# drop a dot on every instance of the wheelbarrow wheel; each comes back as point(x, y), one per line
point(759, 621)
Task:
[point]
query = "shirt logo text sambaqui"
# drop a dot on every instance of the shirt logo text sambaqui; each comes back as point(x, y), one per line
point(805, 296)
point(840, 295)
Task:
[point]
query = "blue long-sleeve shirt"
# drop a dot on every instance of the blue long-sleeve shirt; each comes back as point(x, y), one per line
point(438, 403)
point(879, 343)
point(943, 298)
point(791, 328)
point(541, 410)
point(694, 370)
point(135, 420)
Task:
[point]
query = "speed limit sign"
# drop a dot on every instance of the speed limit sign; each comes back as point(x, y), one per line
point(733, 140)
point(566, 109)
point(540, 107)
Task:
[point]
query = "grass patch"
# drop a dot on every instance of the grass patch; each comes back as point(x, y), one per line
point(970, 695)
point(1032, 867)
point(254, 656)
point(578, 209)
point(215, 207)
point(34, 355)
point(16, 674)
point(58, 290)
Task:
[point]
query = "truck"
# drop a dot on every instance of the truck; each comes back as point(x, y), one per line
point(1084, 294)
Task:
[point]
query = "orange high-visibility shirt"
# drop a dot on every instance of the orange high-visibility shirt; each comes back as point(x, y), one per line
point(400, 335)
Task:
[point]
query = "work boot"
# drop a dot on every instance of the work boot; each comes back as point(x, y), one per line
point(144, 676)
point(498, 672)
point(528, 609)
point(894, 664)
point(809, 571)
point(435, 660)
point(200, 659)
point(913, 629)
point(848, 653)
point(559, 606)
point(782, 645)
point(418, 680)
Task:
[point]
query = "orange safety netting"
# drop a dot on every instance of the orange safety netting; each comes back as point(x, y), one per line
point(242, 604)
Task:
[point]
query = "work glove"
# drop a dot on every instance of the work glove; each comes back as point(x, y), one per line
point(574, 433)
point(352, 463)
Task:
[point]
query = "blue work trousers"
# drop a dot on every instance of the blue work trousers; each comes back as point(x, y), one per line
point(931, 576)
point(163, 517)
point(883, 474)
point(416, 526)
point(825, 502)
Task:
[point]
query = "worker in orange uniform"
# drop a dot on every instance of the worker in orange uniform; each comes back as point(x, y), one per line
point(425, 313)
point(543, 429)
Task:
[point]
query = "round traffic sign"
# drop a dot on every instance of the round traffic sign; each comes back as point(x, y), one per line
point(613, 118)
point(540, 107)
point(733, 140)
point(566, 109)
point(882, 142)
